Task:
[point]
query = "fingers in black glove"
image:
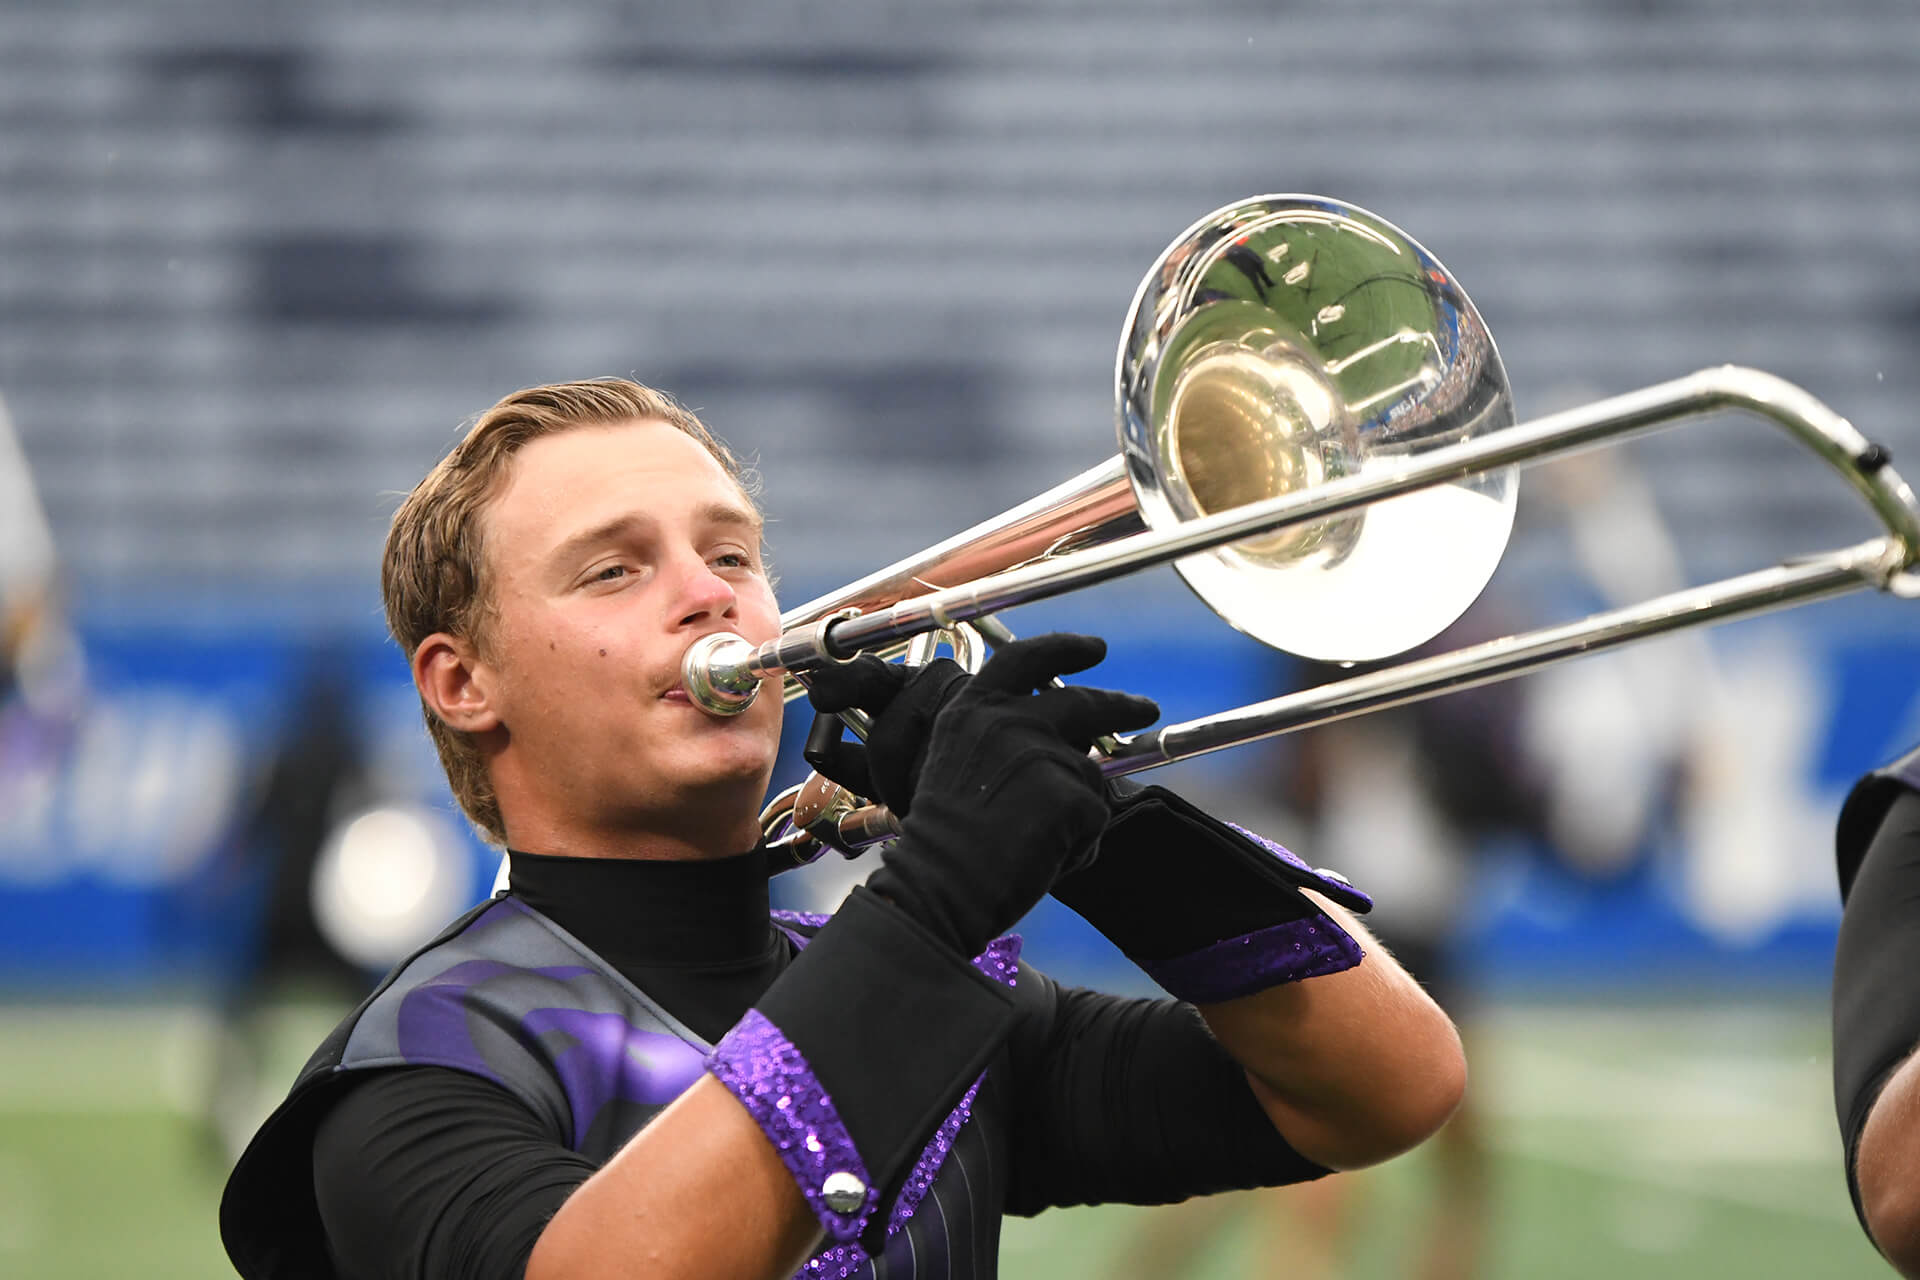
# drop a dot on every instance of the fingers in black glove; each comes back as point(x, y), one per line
point(903, 702)
point(1018, 682)
point(1081, 714)
point(1007, 796)
point(866, 682)
point(1024, 665)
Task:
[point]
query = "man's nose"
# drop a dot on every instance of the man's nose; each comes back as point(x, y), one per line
point(707, 595)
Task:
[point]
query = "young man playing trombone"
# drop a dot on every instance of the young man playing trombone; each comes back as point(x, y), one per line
point(625, 1066)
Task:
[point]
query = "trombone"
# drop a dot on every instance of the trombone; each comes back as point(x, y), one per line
point(1317, 432)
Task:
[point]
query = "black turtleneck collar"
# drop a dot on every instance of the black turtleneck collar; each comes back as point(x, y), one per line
point(646, 913)
point(695, 936)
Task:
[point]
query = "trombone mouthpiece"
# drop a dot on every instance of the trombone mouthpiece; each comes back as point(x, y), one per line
point(718, 673)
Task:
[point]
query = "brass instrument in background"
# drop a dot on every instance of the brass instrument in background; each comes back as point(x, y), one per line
point(1316, 430)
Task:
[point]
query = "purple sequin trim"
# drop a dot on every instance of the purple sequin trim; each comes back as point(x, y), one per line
point(807, 919)
point(763, 1069)
point(1254, 961)
point(931, 1158)
point(836, 1262)
point(1339, 890)
point(1001, 962)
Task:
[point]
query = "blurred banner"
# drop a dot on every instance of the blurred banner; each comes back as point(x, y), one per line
point(143, 847)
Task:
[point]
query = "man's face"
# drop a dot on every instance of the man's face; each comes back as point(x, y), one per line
point(611, 550)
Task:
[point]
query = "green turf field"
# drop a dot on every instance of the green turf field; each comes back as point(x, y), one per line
point(1684, 1142)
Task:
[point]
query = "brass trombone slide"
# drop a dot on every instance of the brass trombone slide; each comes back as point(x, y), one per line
point(1886, 562)
point(725, 672)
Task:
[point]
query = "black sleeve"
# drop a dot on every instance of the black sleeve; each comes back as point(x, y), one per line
point(1133, 1102)
point(1876, 994)
point(425, 1173)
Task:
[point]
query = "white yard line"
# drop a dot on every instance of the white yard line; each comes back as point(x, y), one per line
point(1720, 1106)
point(117, 1059)
point(1722, 1187)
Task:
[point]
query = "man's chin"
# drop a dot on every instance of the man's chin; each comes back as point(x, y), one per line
point(725, 805)
point(742, 779)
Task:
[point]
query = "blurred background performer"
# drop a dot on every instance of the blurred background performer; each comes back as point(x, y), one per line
point(1416, 796)
point(624, 1066)
point(41, 672)
point(1420, 796)
point(1580, 765)
point(314, 779)
point(1876, 1007)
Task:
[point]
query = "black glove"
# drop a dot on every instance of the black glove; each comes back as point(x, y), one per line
point(1007, 797)
point(1209, 911)
point(869, 1039)
point(903, 702)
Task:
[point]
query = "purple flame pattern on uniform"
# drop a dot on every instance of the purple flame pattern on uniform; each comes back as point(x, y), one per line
point(513, 986)
point(433, 1019)
point(598, 1056)
point(611, 1059)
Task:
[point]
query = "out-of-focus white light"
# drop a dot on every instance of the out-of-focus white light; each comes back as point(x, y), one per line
point(386, 882)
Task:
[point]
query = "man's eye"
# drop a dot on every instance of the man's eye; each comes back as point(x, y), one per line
point(611, 572)
point(733, 560)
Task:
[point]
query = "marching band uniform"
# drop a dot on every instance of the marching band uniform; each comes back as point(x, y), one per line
point(915, 1094)
point(506, 1101)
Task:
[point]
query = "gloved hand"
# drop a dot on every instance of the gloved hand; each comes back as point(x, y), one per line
point(903, 702)
point(868, 1040)
point(1007, 797)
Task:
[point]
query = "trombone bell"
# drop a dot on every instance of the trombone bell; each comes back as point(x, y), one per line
point(1287, 341)
point(1280, 344)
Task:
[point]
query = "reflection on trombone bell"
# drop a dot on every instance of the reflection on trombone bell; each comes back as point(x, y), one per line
point(1316, 430)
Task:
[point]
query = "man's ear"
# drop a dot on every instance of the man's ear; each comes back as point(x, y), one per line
point(447, 671)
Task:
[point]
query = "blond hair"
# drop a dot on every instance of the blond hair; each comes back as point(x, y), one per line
point(433, 575)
